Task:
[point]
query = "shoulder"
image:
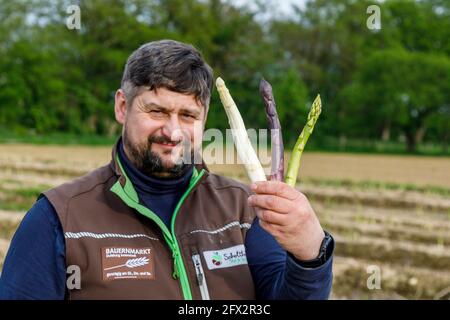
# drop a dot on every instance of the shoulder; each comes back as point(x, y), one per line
point(82, 184)
point(40, 214)
point(84, 187)
point(38, 224)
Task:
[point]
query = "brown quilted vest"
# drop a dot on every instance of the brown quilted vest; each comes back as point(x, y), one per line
point(124, 251)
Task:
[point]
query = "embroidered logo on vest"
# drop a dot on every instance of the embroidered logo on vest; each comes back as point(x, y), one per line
point(225, 258)
point(127, 263)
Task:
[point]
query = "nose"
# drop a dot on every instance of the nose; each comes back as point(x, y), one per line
point(172, 129)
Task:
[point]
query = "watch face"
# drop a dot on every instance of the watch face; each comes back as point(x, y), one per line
point(328, 245)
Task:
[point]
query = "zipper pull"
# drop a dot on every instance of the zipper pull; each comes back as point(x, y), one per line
point(198, 270)
point(201, 279)
point(175, 274)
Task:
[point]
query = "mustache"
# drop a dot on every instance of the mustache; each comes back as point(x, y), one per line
point(162, 139)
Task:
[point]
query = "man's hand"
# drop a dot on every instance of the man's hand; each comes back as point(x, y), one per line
point(286, 214)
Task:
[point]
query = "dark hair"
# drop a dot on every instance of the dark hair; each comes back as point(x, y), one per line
point(170, 64)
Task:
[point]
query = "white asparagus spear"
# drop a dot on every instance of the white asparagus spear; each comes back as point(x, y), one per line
point(243, 146)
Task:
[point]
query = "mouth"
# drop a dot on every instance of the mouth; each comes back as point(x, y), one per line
point(167, 145)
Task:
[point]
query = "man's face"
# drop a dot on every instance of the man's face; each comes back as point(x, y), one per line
point(161, 131)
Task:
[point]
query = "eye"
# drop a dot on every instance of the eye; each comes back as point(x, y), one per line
point(190, 116)
point(157, 113)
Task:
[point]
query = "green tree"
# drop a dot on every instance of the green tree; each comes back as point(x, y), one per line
point(404, 89)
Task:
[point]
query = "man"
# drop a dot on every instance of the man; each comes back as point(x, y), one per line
point(151, 225)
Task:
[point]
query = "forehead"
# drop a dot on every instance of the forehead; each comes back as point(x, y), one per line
point(169, 99)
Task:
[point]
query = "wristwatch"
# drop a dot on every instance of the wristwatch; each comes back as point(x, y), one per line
point(326, 250)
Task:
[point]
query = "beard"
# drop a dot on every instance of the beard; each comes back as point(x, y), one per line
point(151, 164)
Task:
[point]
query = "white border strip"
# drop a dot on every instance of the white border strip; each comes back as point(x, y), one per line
point(227, 226)
point(78, 235)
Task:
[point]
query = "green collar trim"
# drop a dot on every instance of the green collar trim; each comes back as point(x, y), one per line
point(129, 188)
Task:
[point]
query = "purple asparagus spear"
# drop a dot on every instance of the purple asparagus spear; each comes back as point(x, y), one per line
point(277, 170)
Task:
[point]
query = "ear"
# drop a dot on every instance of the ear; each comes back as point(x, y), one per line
point(120, 106)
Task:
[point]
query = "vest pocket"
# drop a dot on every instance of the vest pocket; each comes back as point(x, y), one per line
point(200, 274)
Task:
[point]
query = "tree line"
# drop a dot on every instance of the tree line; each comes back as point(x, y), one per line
point(386, 84)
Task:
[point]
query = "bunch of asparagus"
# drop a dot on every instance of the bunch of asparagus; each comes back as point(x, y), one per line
point(244, 147)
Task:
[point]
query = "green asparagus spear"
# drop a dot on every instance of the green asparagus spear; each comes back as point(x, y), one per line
point(294, 161)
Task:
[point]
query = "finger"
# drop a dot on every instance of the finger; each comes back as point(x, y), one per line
point(269, 227)
point(272, 217)
point(270, 202)
point(276, 188)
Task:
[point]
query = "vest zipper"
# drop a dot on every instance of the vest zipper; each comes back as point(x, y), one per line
point(129, 196)
point(180, 268)
point(201, 280)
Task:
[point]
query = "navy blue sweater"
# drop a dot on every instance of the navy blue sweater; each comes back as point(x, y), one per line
point(35, 266)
